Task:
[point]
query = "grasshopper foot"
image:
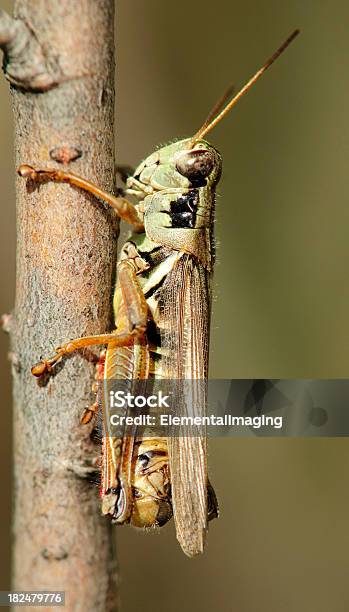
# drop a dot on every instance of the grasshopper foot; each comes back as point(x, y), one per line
point(37, 174)
point(40, 368)
point(89, 413)
point(45, 366)
point(27, 171)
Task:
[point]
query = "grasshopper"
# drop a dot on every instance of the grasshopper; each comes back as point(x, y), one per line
point(162, 304)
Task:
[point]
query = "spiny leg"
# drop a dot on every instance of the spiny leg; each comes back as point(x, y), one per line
point(124, 209)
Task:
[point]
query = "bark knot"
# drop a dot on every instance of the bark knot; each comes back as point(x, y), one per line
point(65, 153)
point(24, 63)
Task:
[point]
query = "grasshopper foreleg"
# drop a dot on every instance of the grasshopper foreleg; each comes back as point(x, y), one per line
point(123, 208)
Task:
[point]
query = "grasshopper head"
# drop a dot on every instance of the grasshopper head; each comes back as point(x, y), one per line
point(181, 164)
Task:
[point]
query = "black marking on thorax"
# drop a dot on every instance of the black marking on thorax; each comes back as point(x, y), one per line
point(156, 256)
point(184, 209)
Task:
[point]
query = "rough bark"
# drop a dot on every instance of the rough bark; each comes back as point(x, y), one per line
point(59, 59)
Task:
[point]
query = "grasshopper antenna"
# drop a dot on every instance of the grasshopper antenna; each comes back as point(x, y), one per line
point(218, 106)
point(210, 123)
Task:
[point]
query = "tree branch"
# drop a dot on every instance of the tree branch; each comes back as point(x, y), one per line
point(24, 62)
point(65, 266)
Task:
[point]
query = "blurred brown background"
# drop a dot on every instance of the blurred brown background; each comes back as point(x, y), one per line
point(281, 291)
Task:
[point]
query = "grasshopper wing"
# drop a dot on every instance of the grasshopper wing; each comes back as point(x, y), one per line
point(186, 311)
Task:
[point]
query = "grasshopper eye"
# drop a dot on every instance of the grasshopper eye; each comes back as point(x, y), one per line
point(195, 165)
